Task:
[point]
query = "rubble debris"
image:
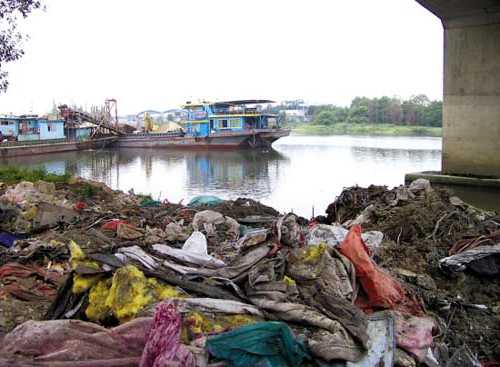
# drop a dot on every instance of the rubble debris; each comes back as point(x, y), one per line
point(408, 276)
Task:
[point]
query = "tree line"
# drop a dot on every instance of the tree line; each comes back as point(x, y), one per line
point(417, 110)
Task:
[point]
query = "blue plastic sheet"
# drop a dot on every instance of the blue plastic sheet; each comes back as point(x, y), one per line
point(264, 344)
point(7, 239)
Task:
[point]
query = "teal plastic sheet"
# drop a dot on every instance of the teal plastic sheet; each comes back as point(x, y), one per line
point(149, 203)
point(205, 200)
point(264, 344)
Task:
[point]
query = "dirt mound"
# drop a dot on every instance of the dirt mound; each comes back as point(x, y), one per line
point(242, 207)
point(420, 228)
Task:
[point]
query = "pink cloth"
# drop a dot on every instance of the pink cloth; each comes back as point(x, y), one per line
point(163, 347)
point(414, 334)
point(65, 343)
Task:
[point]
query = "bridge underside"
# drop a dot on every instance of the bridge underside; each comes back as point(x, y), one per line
point(471, 109)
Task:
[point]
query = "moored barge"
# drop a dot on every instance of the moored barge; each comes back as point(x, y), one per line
point(218, 125)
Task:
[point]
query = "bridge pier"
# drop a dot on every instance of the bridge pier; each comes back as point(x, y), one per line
point(471, 103)
point(471, 108)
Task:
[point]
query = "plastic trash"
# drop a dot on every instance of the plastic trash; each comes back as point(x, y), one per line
point(330, 235)
point(382, 342)
point(373, 240)
point(420, 184)
point(289, 232)
point(207, 217)
point(209, 221)
point(483, 260)
point(262, 344)
point(334, 235)
point(7, 239)
point(205, 200)
point(174, 232)
point(194, 251)
point(252, 238)
point(382, 290)
point(196, 244)
point(126, 294)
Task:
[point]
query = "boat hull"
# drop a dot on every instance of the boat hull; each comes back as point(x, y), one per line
point(226, 140)
point(7, 151)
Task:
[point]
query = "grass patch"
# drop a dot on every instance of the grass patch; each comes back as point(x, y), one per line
point(85, 191)
point(366, 129)
point(12, 174)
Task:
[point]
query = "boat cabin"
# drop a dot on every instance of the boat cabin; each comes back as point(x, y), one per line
point(29, 128)
point(204, 119)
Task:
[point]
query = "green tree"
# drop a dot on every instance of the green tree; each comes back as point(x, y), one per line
point(359, 110)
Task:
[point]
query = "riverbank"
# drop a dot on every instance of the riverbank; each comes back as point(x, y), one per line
point(82, 251)
point(366, 129)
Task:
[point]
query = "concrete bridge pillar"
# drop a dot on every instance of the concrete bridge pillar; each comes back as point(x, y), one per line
point(471, 104)
point(471, 109)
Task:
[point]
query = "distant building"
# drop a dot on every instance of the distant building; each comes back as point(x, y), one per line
point(295, 110)
point(295, 114)
point(175, 115)
point(29, 128)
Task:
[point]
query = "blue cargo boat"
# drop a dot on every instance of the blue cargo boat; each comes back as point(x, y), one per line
point(229, 124)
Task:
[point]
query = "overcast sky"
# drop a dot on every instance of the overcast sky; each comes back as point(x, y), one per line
point(158, 54)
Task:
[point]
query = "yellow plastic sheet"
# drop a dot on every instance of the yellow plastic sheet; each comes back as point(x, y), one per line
point(81, 283)
point(127, 293)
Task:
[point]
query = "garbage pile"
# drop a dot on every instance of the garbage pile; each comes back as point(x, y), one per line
point(95, 277)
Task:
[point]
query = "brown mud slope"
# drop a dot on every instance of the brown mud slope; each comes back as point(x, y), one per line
point(418, 232)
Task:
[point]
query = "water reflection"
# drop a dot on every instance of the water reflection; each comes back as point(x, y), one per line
point(299, 173)
point(170, 174)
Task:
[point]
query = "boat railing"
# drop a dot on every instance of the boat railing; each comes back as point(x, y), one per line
point(168, 133)
point(6, 144)
point(245, 111)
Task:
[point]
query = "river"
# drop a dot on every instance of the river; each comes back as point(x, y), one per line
point(300, 172)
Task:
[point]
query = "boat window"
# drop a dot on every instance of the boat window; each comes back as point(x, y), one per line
point(235, 123)
point(224, 124)
point(5, 122)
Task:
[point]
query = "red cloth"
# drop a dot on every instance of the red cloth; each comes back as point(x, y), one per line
point(112, 225)
point(80, 205)
point(43, 288)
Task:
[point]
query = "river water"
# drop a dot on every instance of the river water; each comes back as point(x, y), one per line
point(299, 173)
